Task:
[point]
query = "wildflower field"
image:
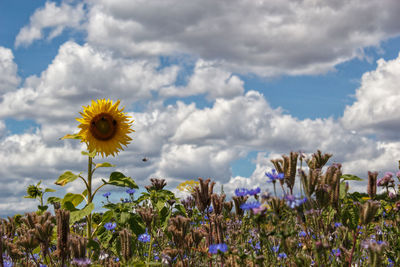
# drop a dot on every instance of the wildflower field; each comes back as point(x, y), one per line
point(321, 225)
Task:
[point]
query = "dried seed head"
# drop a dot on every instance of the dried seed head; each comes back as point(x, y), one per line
point(156, 184)
point(218, 202)
point(202, 194)
point(368, 211)
point(371, 189)
point(228, 206)
point(126, 244)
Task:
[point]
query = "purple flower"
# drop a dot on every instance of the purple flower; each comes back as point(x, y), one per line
point(302, 234)
point(253, 192)
point(81, 262)
point(293, 201)
point(282, 255)
point(214, 248)
point(240, 192)
point(144, 238)
point(107, 194)
point(336, 252)
point(130, 191)
point(275, 248)
point(250, 205)
point(274, 176)
point(110, 226)
point(338, 224)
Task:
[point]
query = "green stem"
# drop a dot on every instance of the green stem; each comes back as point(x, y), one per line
point(149, 253)
point(89, 198)
point(94, 193)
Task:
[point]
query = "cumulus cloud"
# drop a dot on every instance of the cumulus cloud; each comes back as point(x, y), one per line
point(52, 17)
point(9, 79)
point(207, 79)
point(79, 74)
point(264, 37)
point(376, 109)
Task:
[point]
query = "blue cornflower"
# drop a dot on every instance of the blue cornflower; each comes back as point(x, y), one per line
point(7, 263)
point(214, 248)
point(250, 205)
point(253, 192)
point(338, 224)
point(275, 248)
point(274, 176)
point(302, 234)
point(391, 262)
point(107, 194)
point(282, 255)
point(293, 201)
point(210, 209)
point(144, 238)
point(110, 226)
point(336, 252)
point(130, 191)
point(241, 192)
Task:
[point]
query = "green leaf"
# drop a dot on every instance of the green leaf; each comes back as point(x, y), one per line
point(90, 154)
point(52, 200)
point(95, 247)
point(79, 214)
point(342, 190)
point(43, 208)
point(119, 179)
point(49, 190)
point(350, 177)
point(69, 206)
point(66, 177)
point(75, 199)
point(181, 209)
point(71, 136)
point(160, 205)
point(104, 164)
point(124, 217)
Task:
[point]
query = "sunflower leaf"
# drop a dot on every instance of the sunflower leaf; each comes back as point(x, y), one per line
point(71, 136)
point(79, 214)
point(90, 154)
point(119, 179)
point(104, 164)
point(66, 177)
point(75, 199)
point(350, 177)
point(49, 190)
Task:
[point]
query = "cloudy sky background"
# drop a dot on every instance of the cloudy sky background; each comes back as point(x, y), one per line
point(216, 88)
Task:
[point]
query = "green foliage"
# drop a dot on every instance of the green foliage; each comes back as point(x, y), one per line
point(119, 179)
point(66, 177)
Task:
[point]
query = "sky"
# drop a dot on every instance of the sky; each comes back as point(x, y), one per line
point(216, 88)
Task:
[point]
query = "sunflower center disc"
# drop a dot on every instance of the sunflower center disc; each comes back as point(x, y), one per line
point(103, 126)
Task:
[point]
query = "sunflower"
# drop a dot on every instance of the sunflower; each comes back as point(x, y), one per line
point(104, 127)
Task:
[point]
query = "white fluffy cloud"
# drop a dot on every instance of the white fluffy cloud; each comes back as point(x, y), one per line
point(9, 79)
point(376, 109)
point(207, 79)
point(52, 17)
point(264, 37)
point(79, 74)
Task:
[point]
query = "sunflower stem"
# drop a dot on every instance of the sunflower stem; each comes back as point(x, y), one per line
point(89, 187)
